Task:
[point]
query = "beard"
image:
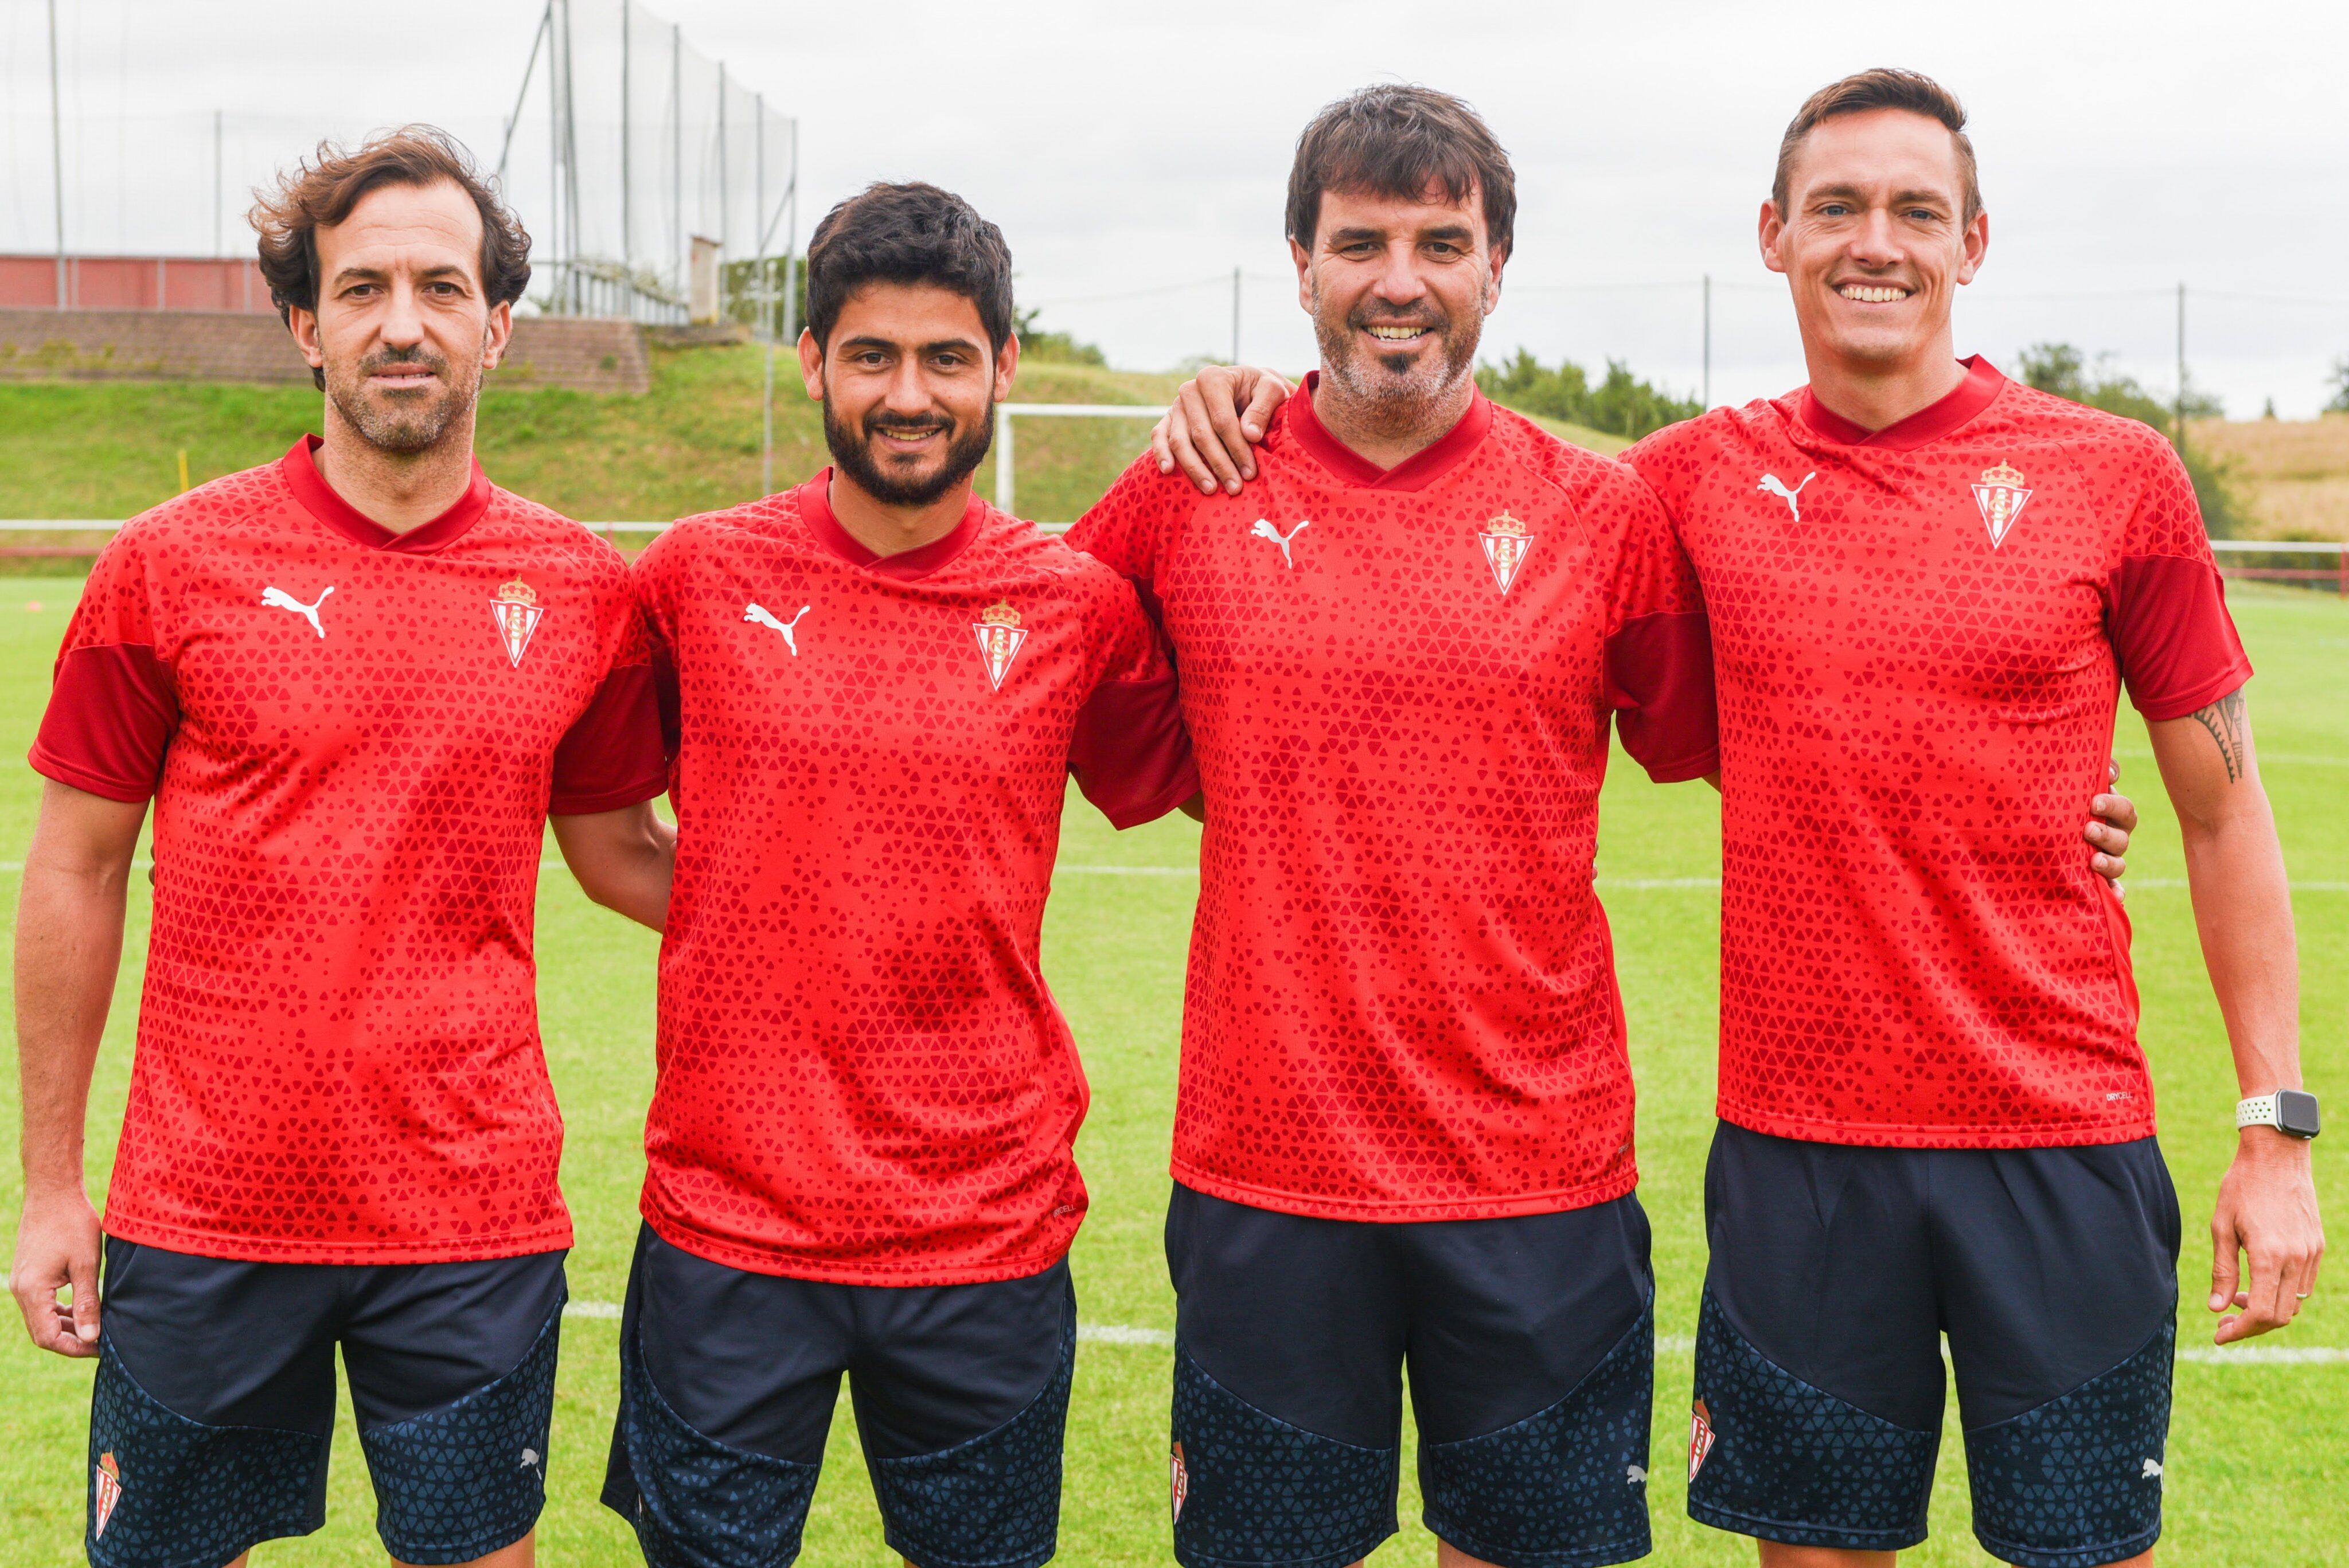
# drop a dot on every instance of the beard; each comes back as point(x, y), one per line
point(1395, 388)
point(899, 482)
point(402, 421)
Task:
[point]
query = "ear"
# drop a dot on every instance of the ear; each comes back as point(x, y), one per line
point(1773, 234)
point(1007, 366)
point(303, 324)
point(1493, 283)
point(1977, 246)
point(812, 365)
point(500, 333)
point(1304, 260)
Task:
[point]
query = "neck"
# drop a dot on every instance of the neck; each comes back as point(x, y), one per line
point(1875, 396)
point(399, 491)
point(886, 529)
point(1383, 433)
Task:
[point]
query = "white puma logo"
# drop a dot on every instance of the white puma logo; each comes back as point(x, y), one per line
point(2152, 1471)
point(1263, 529)
point(766, 618)
point(1635, 1475)
point(529, 1458)
point(279, 599)
point(1777, 487)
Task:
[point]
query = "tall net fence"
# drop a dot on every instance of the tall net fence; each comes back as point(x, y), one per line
point(620, 145)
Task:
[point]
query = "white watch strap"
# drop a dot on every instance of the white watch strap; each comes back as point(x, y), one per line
point(2259, 1111)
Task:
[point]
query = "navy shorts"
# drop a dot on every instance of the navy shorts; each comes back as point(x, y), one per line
point(214, 1402)
point(1531, 1344)
point(728, 1382)
point(1835, 1272)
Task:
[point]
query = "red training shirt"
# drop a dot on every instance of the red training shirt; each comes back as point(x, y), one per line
point(862, 1078)
point(1402, 1001)
point(353, 738)
point(1920, 657)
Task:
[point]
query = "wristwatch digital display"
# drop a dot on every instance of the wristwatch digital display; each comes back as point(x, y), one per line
point(2289, 1110)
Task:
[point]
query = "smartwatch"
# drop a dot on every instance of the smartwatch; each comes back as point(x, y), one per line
point(2288, 1111)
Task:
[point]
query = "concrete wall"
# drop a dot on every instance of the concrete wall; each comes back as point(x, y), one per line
point(587, 355)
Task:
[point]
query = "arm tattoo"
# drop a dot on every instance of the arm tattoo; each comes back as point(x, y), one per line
point(2224, 720)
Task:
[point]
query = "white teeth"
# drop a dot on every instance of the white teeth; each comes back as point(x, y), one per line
point(1397, 333)
point(1865, 295)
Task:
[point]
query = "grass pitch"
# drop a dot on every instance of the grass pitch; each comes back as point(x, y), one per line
point(2254, 1451)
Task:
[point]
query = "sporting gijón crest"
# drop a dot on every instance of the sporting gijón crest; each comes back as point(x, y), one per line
point(999, 636)
point(109, 1492)
point(1506, 544)
point(1700, 1437)
point(2002, 494)
point(517, 613)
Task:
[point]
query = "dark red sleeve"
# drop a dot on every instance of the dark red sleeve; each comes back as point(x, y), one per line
point(113, 707)
point(111, 716)
point(611, 757)
point(1659, 647)
point(2165, 606)
point(1130, 753)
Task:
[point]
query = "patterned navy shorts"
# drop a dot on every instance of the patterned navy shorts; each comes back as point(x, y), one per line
point(214, 1402)
point(1835, 1272)
point(728, 1382)
point(1531, 1344)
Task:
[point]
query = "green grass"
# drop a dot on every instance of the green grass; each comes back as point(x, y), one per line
point(110, 449)
point(2251, 1449)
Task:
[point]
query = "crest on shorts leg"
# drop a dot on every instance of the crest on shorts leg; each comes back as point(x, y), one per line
point(1179, 1485)
point(1700, 1437)
point(109, 1492)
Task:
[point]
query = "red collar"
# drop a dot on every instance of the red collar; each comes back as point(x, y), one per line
point(1922, 428)
point(1414, 473)
point(815, 505)
point(319, 498)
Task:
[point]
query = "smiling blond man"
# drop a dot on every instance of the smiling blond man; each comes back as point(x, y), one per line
point(354, 683)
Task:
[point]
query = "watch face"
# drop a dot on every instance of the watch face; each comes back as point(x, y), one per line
point(2296, 1113)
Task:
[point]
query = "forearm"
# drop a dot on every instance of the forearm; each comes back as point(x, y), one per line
point(68, 952)
point(2242, 912)
point(625, 861)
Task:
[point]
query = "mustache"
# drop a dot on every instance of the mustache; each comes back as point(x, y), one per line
point(1433, 321)
point(418, 358)
point(900, 425)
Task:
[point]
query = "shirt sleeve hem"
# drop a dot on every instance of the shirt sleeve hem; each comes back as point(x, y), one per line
point(650, 786)
point(48, 765)
point(2195, 697)
point(1158, 805)
point(1681, 772)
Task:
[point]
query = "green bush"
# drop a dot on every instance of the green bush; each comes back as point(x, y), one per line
point(1621, 405)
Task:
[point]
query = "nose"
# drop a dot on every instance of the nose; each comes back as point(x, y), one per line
point(905, 393)
point(1873, 242)
point(401, 324)
point(1399, 282)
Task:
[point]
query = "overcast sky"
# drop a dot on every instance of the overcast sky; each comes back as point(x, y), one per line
point(1126, 148)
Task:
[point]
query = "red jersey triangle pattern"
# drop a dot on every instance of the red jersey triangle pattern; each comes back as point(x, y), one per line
point(1506, 544)
point(999, 636)
point(517, 613)
point(2002, 495)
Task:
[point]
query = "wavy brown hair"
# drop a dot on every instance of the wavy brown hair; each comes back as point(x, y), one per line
point(321, 191)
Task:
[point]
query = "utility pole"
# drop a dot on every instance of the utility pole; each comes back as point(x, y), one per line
point(58, 152)
point(218, 194)
point(2181, 371)
point(677, 154)
point(1708, 340)
point(1236, 315)
point(627, 117)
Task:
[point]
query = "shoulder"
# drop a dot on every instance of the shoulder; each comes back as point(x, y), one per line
point(1025, 551)
point(562, 544)
point(190, 519)
point(2091, 433)
point(1674, 453)
point(1144, 497)
point(704, 534)
point(1601, 490)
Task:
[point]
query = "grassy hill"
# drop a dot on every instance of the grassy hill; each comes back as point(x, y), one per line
point(2292, 474)
point(108, 450)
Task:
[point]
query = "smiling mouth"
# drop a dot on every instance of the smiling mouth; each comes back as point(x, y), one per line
point(1390, 332)
point(900, 436)
point(1873, 294)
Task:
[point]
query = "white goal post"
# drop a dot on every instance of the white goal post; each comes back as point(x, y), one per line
point(1004, 413)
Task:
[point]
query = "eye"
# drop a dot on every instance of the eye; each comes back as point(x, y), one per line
point(1835, 210)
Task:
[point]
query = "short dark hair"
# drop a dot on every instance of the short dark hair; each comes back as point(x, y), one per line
point(908, 233)
point(1397, 140)
point(320, 192)
point(1885, 87)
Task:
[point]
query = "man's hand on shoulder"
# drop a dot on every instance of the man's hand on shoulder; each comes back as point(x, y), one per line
point(1217, 418)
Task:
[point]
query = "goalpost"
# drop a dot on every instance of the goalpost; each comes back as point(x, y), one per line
point(1004, 413)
